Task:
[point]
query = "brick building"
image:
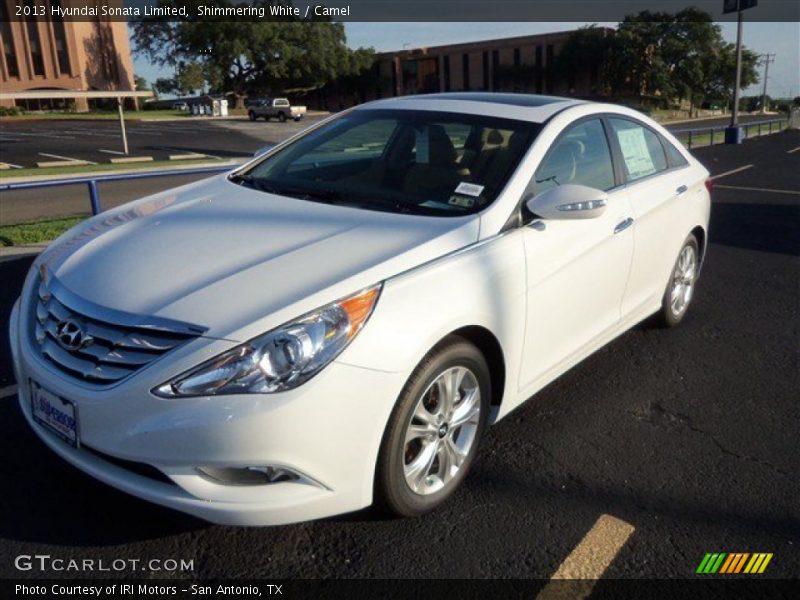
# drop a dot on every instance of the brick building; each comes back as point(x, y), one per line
point(518, 64)
point(41, 53)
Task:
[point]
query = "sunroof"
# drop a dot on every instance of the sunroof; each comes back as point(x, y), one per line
point(529, 100)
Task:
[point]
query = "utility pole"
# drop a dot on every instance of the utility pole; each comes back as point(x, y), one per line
point(766, 58)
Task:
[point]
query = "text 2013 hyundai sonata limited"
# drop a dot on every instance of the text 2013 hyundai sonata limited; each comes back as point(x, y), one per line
point(337, 322)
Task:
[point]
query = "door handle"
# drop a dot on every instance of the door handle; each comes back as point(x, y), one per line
point(681, 190)
point(623, 225)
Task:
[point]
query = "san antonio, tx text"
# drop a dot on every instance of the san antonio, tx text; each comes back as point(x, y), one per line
point(182, 11)
point(130, 589)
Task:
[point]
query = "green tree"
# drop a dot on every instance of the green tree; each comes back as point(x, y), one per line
point(681, 57)
point(140, 83)
point(190, 78)
point(165, 85)
point(252, 56)
point(586, 50)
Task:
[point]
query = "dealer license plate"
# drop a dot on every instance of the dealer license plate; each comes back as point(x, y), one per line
point(55, 413)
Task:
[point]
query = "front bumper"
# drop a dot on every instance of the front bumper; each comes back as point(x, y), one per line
point(329, 430)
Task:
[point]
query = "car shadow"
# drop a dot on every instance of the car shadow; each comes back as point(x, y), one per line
point(761, 227)
point(52, 502)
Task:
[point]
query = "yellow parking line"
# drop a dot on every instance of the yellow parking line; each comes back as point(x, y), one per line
point(589, 560)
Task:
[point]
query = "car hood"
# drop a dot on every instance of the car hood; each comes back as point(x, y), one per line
point(225, 257)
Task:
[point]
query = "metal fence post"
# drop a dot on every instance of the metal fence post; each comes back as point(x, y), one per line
point(94, 196)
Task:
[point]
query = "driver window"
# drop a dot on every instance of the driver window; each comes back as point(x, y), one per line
point(580, 155)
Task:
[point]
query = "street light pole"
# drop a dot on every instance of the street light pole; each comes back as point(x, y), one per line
point(735, 113)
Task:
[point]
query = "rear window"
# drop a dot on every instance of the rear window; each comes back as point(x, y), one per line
point(674, 156)
point(281, 102)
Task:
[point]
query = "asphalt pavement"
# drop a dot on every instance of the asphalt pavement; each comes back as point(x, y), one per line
point(687, 437)
point(23, 143)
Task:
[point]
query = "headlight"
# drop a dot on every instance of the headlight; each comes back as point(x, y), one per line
point(283, 358)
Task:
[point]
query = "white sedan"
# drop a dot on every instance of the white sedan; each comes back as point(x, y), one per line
point(337, 322)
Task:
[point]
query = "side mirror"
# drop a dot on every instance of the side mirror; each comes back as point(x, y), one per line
point(568, 201)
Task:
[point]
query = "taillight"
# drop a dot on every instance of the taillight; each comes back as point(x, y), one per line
point(710, 185)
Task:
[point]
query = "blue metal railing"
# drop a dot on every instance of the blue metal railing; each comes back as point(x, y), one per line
point(716, 135)
point(92, 181)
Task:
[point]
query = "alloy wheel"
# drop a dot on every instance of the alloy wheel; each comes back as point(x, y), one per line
point(683, 280)
point(442, 430)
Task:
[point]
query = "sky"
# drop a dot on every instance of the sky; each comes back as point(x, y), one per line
point(781, 39)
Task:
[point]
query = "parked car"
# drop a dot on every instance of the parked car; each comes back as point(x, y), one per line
point(337, 322)
point(279, 108)
point(180, 106)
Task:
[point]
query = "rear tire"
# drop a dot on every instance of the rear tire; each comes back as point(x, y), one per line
point(282, 117)
point(435, 429)
point(680, 288)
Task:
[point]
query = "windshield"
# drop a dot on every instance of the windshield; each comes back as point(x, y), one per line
point(420, 162)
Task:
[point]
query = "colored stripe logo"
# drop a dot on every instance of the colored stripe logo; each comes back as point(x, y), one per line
point(732, 563)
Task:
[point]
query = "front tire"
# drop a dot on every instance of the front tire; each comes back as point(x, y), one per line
point(251, 115)
point(435, 429)
point(680, 289)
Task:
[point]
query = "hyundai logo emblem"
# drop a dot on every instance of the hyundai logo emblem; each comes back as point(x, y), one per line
point(71, 336)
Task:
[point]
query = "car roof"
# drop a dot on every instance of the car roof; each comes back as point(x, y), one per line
point(527, 107)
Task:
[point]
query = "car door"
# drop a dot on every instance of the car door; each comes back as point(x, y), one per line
point(657, 184)
point(576, 269)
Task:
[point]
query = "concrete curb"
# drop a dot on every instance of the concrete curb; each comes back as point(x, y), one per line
point(12, 252)
point(130, 159)
point(46, 164)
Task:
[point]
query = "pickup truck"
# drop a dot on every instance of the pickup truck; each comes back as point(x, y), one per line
point(280, 108)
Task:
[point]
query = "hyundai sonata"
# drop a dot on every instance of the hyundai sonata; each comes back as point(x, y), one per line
point(338, 321)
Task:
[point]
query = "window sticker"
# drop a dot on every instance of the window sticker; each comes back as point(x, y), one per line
point(469, 189)
point(635, 152)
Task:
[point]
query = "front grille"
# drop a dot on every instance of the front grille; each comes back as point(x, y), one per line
point(92, 349)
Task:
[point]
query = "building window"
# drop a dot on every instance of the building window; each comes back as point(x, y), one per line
point(465, 70)
point(34, 42)
point(60, 35)
point(539, 67)
point(516, 57)
point(447, 73)
point(8, 42)
point(485, 70)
